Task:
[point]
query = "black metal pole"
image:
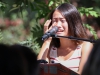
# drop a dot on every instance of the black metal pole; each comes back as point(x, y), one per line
point(73, 38)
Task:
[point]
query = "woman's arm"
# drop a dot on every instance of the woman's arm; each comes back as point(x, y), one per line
point(44, 50)
point(45, 47)
point(86, 49)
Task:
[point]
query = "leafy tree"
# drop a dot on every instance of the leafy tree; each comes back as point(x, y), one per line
point(40, 10)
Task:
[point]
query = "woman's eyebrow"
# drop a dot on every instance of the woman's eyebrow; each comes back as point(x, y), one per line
point(58, 18)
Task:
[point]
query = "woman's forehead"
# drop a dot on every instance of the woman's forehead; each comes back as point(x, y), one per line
point(57, 14)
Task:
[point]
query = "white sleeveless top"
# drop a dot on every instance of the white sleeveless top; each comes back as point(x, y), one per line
point(71, 63)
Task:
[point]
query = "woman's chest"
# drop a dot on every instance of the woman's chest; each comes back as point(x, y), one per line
point(64, 55)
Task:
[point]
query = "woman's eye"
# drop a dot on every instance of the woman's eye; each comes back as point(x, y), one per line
point(63, 21)
point(53, 20)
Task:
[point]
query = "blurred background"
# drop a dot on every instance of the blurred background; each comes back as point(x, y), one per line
point(21, 21)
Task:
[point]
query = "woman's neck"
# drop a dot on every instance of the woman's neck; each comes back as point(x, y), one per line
point(66, 43)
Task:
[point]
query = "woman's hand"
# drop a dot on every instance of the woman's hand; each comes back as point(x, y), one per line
point(46, 26)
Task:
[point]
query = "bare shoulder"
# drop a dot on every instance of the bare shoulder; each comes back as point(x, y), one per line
point(87, 46)
point(86, 49)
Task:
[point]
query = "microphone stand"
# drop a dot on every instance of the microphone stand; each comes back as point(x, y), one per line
point(73, 38)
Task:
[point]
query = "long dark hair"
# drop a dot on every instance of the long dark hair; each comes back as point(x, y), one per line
point(73, 18)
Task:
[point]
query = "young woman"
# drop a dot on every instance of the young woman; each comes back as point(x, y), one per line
point(70, 53)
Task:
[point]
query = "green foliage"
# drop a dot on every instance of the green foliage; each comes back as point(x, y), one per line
point(1, 36)
point(97, 9)
point(88, 11)
point(37, 31)
point(44, 9)
point(31, 43)
point(21, 33)
point(92, 31)
point(3, 6)
point(12, 34)
point(40, 8)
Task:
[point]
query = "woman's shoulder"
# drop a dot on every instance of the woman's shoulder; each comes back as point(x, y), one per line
point(87, 46)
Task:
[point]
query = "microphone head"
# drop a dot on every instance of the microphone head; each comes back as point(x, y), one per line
point(50, 33)
point(56, 29)
point(53, 30)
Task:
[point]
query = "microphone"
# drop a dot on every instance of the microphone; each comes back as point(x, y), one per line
point(50, 33)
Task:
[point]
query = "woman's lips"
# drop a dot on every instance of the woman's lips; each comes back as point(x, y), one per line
point(59, 32)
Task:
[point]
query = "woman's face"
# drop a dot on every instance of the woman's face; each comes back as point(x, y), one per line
point(61, 23)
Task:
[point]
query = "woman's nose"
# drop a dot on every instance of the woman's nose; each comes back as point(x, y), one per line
point(58, 23)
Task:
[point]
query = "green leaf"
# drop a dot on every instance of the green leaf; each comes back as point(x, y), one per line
point(0, 5)
point(51, 3)
point(92, 31)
